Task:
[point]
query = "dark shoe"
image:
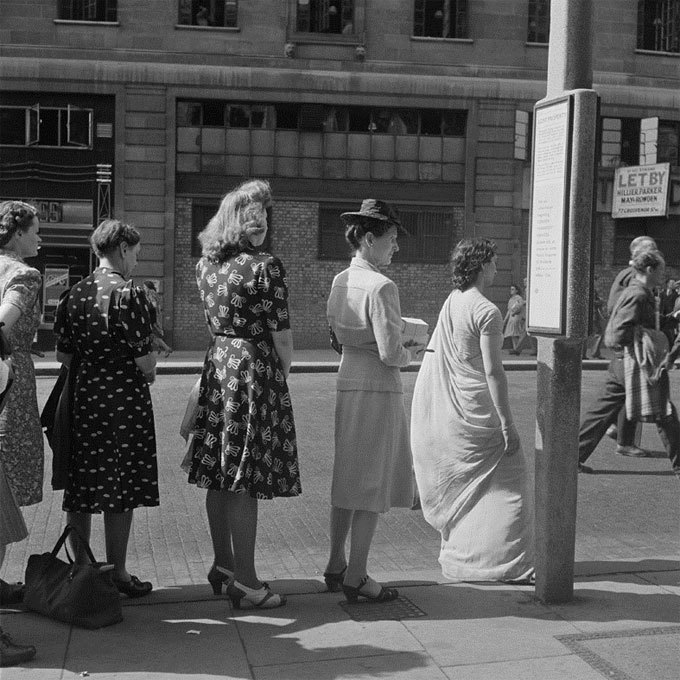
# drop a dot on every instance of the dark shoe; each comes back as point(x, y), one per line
point(11, 593)
point(11, 653)
point(134, 587)
point(632, 451)
point(385, 594)
point(585, 469)
point(597, 356)
point(218, 576)
point(334, 581)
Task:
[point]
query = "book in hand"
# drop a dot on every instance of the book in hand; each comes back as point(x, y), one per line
point(413, 332)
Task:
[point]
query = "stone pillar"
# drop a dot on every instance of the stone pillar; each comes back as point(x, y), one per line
point(559, 359)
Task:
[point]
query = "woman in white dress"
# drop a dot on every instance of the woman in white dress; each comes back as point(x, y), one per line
point(372, 471)
point(469, 466)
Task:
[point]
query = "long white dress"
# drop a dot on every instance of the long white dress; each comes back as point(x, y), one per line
point(471, 492)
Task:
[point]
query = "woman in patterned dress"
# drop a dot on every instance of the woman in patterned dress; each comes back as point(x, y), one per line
point(21, 441)
point(106, 322)
point(244, 446)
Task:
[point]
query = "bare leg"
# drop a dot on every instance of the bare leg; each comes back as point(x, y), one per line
point(341, 521)
point(83, 522)
point(241, 516)
point(363, 528)
point(117, 533)
point(216, 505)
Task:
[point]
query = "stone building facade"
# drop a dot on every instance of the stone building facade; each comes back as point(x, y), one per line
point(423, 103)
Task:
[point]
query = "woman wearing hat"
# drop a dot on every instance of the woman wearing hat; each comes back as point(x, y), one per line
point(372, 471)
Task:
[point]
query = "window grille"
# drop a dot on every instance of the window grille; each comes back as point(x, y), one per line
point(659, 25)
point(88, 10)
point(440, 18)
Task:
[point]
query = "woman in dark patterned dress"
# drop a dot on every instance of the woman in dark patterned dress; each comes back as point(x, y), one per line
point(105, 320)
point(244, 447)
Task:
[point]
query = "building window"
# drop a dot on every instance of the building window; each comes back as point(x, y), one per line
point(440, 18)
point(325, 16)
point(88, 10)
point(523, 130)
point(46, 126)
point(216, 13)
point(659, 25)
point(321, 141)
point(668, 145)
point(432, 232)
point(539, 21)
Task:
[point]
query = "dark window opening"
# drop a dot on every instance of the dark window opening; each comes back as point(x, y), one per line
point(630, 141)
point(13, 126)
point(667, 144)
point(659, 25)
point(325, 16)
point(213, 114)
point(88, 10)
point(538, 30)
point(440, 18)
point(217, 13)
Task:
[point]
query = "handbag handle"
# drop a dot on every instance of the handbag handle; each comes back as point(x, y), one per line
point(62, 540)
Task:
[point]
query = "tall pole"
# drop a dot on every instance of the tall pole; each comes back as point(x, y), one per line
point(559, 359)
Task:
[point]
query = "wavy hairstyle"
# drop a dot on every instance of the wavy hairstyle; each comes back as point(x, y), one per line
point(14, 216)
point(467, 260)
point(647, 258)
point(239, 217)
point(110, 234)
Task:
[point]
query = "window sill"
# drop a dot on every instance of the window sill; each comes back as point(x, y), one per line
point(535, 44)
point(218, 29)
point(76, 22)
point(658, 53)
point(428, 38)
point(325, 39)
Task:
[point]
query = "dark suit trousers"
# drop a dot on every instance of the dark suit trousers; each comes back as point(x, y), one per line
point(605, 410)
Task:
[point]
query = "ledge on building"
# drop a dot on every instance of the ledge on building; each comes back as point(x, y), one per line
point(79, 22)
point(536, 44)
point(218, 29)
point(658, 53)
point(351, 40)
point(431, 38)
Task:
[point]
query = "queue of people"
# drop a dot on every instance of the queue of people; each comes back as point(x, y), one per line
point(462, 461)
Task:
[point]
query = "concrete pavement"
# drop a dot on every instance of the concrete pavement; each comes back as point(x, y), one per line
point(624, 621)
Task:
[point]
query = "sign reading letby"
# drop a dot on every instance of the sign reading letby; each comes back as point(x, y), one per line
point(641, 191)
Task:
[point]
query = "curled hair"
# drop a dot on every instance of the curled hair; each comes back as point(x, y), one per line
point(242, 214)
point(641, 243)
point(467, 260)
point(14, 216)
point(647, 258)
point(110, 234)
point(517, 288)
point(360, 226)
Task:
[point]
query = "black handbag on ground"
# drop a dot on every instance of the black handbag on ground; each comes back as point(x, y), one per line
point(79, 594)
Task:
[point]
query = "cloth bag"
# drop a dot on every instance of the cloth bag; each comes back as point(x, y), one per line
point(79, 594)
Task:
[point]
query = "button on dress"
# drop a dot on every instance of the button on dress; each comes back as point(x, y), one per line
point(244, 438)
point(106, 320)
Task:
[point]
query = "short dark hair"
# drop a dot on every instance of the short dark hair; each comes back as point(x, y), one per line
point(15, 216)
point(647, 258)
point(110, 234)
point(467, 260)
point(360, 226)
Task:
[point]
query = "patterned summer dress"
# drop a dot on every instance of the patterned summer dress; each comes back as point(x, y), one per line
point(106, 321)
point(21, 438)
point(244, 437)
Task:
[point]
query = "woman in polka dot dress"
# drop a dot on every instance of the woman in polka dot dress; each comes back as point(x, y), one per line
point(244, 446)
point(106, 323)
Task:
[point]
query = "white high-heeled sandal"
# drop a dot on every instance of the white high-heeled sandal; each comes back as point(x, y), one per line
point(243, 597)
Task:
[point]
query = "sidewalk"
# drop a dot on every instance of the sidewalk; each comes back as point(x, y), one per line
point(623, 627)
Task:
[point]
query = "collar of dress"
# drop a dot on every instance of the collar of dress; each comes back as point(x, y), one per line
point(363, 264)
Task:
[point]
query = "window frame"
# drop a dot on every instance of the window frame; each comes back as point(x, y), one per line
point(355, 38)
point(662, 44)
point(32, 127)
point(192, 7)
point(65, 11)
point(457, 8)
point(538, 12)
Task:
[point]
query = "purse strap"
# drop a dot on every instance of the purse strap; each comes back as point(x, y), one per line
point(62, 540)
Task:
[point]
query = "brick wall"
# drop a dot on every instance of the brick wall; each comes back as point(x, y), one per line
point(422, 288)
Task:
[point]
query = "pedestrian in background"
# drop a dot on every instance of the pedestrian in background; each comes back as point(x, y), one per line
point(106, 321)
point(372, 468)
point(624, 431)
point(514, 323)
point(667, 299)
point(633, 313)
point(21, 441)
point(598, 322)
point(154, 299)
point(471, 472)
point(244, 448)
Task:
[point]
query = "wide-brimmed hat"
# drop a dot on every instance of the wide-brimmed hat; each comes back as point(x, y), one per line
point(373, 209)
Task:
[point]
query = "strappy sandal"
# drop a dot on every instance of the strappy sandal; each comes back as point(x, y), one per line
point(218, 576)
point(243, 597)
point(134, 587)
point(385, 594)
point(334, 580)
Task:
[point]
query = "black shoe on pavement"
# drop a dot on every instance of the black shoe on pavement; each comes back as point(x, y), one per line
point(632, 451)
point(11, 653)
point(585, 469)
point(11, 593)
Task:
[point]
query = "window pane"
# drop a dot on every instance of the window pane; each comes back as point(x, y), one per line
point(286, 116)
point(213, 114)
point(78, 127)
point(13, 126)
point(49, 127)
point(359, 119)
point(325, 16)
point(188, 113)
point(430, 123)
point(455, 123)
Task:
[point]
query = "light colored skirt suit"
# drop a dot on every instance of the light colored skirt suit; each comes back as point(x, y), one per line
point(372, 468)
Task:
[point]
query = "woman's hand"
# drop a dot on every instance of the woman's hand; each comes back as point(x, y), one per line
point(417, 349)
point(511, 439)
